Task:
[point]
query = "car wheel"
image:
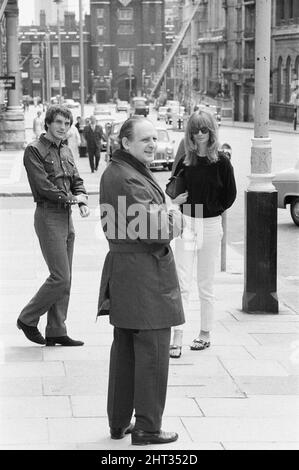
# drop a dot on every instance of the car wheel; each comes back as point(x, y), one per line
point(295, 210)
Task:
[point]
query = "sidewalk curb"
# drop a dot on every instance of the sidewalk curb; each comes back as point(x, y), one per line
point(240, 125)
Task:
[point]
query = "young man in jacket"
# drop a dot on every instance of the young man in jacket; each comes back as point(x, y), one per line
point(56, 186)
point(139, 286)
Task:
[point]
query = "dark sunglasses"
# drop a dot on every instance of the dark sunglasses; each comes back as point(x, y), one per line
point(203, 130)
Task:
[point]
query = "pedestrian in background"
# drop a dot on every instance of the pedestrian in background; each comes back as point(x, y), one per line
point(139, 287)
point(38, 124)
point(93, 134)
point(210, 190)
point(56, 186)
point(73, 141)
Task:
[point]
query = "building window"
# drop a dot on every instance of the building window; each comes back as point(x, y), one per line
point(126, 57)
point(125, 29)
point(100, 29)
point(152, 29)
point(35, 50)
point(279, 80)
point(100, 12)
point(101, 62)
point(55, 50)
point(125, 13)
point(55, 75)
point(75, 50)
point(153, 61)
point(288, 80)
point(75, 73)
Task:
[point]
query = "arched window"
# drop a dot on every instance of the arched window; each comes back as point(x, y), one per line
point(279, 80)
point(296, 68)
point(288, 80)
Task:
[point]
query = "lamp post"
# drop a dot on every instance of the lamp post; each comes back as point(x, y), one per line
point(58, 2)
point(81, 60)
point(260, 271)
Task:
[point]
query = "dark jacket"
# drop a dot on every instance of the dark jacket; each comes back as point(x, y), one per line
point(93, 138)
point(139, 285)
point(51, 171)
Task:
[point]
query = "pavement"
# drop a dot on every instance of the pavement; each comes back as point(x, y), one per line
point(241, 393)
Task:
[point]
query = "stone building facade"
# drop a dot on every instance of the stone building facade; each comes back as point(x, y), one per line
point(39, 58)
point(285, 59)
point(127, 46)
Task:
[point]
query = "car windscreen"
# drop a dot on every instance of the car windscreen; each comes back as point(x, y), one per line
point(162, 136)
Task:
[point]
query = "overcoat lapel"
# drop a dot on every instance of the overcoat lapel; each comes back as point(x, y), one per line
point(121, 156)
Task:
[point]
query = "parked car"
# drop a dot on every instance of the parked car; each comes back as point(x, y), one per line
point(102, 110)
point(215, 110)
point(164, 156)
point(162, 113)
point(112, 141)
point(140, 106)
point(287, 184)
point(122, 106)
point(70, 103)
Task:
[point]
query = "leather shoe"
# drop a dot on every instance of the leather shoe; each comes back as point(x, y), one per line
point(143, 438)
point(31, 332)
point(63, 341)
point(119, 433)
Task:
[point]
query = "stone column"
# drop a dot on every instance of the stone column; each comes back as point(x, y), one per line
point(12, 126)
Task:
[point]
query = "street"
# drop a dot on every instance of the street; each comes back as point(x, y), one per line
point(283, 156)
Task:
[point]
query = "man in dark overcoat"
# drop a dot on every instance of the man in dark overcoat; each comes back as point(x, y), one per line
point(93, 134)
point(139, 286)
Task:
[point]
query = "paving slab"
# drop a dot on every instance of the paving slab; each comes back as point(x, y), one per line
point(75, 385)
point(269, 385)
point(221, 386)
point(32, 369)
point(20, 386)
point(23, 431)
point(263, 368)
point(243, 429)
point(251, 407)
point(261, 445)
point(35, 407)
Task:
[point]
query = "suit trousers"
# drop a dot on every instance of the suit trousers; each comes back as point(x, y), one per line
point(94, 155)
point(138, 375)
point(55, 231)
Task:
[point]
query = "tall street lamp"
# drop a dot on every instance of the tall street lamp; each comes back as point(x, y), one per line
point(260, 276)
point(58, 2)
point(81, 59)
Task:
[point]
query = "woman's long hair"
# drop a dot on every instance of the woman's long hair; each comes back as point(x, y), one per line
point(196, 121)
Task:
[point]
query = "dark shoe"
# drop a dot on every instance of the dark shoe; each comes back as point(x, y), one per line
point(143, 438)
point(31, 332)
point(119, 433)
point(63, 341)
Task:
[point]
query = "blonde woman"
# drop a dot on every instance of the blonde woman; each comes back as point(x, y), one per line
point(210, 190)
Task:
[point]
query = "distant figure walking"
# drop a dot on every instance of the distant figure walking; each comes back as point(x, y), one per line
point(93, 134)
point(73, 141)
point(38, 124)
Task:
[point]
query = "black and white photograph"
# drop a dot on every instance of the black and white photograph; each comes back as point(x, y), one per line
point(149, 229)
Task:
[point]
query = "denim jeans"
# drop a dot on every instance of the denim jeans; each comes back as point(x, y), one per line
point(55, 231)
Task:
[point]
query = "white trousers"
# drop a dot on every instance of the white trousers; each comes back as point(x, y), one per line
point(200, 242)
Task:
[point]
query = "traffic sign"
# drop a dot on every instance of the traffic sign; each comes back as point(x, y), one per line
point(8, 83)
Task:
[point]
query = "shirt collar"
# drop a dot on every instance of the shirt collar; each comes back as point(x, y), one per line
point(48, 143)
